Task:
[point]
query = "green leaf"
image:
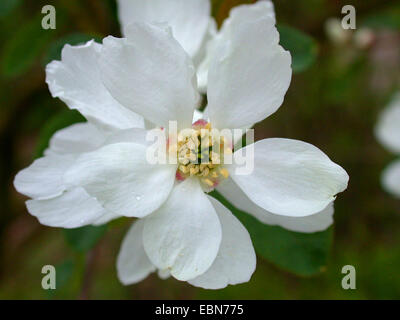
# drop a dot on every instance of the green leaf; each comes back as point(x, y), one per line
point(55, 48)
point(303, 254)
point(302, 47)
point(59, 121)
point(24, 48)
point(85, 238)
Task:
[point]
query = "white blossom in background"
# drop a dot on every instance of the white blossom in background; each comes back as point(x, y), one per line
point(361, 38)
point(387, 132)
point(335, 32)
point(96, 171)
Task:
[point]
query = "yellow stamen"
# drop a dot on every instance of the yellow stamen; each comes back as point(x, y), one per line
point(200, 153)
point(194, 170)
point(208, 182)
point(183, 168)
point(224, 172)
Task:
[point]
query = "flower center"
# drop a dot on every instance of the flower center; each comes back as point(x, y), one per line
point(201, 153)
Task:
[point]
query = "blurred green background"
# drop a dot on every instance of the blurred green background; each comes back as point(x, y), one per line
point(336, 94)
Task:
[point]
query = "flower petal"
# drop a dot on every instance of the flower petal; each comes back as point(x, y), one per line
point(197, 115)
point(150, 73)
point(184, 235)
point(239, 14)
point(106, 218)
point(249, 73)
point(76, 81)
point(163, 274)
point(135, 135)
point(73, 209)
point(187, 19)
point(122, 180)
point(290, 177)
point(248, 12)
point(202, 58)
point(388, 128)
point(236, 259)
point(133, 265)
point(204, 66)
point(308, 224)
point(43, 178)
point(391, 178)
point(78, 138)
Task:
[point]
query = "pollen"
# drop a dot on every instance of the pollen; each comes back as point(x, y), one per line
point(224, 173)
point(200, 153)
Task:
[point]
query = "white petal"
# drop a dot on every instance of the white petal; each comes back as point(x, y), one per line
point(122, 180)
point(248, 12)
point(236, 259)
point(151, 74)
point(78, 138)
point(184, 235)
point(211, 33)
point(135, 135)
point(197, 115)
point(188, 19)
point(308, 224)
point(391, 178)
point(203, 67)
point(133, 265)
point(202, 58)
point(239, 14)
point(291, 178)
point(73, 209)
point(76, 81)
point(43, 178)
point(106, 218)
point(164, 274)
point(388, 127)
point(249, 73)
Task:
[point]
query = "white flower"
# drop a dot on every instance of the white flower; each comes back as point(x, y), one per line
point(336, 33)
point(199, 10)
point(387, 132)
point(96, 171)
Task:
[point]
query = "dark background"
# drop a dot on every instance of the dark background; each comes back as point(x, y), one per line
point(334, 104)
